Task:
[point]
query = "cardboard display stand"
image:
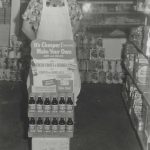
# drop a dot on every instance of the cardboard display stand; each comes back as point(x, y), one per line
point(52, 75)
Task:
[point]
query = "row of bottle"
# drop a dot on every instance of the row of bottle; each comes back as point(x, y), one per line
point(101, 77)
point(50, 125)
point(8, 75)
point(51, 104)
point(103, 65)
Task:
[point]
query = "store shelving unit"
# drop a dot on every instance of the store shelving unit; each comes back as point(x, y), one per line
point(143, 135)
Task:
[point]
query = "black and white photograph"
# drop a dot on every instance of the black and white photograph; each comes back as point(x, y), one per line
point(74, 74)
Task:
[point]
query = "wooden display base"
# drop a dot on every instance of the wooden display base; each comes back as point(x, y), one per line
point(50, 143)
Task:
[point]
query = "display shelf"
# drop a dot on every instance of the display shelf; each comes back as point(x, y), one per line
point(139, 50)
point(140, 88)
point(51, 135)
point(51, 114)
point(111, 26)
point(140, 134)
point(106, 2)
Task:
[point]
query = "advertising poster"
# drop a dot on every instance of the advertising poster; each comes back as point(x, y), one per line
point(52, 66)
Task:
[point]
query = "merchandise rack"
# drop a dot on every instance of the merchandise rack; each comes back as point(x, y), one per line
point(144, 90)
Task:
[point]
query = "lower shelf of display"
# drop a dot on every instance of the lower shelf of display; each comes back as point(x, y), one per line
point(140, 134)
point(143, 89)
point(51, 134)
point(51, 114)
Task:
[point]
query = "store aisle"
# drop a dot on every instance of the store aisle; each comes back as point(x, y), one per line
point(101, 120)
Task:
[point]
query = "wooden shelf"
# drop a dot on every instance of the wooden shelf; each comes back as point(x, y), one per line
point(107, 2)
point(51, 135)
point(51, 114)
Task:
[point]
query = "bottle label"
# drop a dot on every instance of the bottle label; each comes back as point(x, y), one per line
point(47, 108)
point(54, 108)
point(31, 107)
point(62, 108)
point(39, 128)
point(47, 128)
point(54, 128)
point(31, 128)
point(69, 108)
point(62, 128)
point(69, 128)
point(39, 108)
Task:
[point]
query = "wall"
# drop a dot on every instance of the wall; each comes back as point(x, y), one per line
point(113, 47)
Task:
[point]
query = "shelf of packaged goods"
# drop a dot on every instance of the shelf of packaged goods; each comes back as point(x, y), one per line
point(113, 26)
point(139, 50)
point(51, 135)
point(141, 88)
point(116, 13)
point(106, 2)
point(140, 134)
point(51, 114)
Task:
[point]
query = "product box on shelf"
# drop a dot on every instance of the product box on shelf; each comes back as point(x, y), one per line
point(142, 72)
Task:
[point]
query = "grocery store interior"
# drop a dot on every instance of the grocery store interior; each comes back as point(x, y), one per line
point(112, 111)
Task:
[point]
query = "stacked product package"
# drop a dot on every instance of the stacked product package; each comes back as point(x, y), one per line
point(135, 104)
point(10, 61)
point(5, 11)
point(51, 98)
point(93, 66)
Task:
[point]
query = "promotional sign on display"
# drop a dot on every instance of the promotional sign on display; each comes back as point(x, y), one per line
point(52, 66)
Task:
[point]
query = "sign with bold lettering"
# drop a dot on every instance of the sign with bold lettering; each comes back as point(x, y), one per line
point(53, 66)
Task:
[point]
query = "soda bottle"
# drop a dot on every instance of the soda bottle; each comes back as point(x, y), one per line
point(69, 104)
point(54, 125)
point(54, 104)
point(31, 104)
point(39, 104)
point(62, 125)
point(39, 125)
point(47, 106)
point(69, 127)
point(62, 104)
point(32, 125)
point(47, 125)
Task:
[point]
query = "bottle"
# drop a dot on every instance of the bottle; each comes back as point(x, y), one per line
point(54, 104)
point(69, 104)
point(62, 125)
point(32, 125)
point(54, 125)
point(47, 125)
point(69, 127)
point(47, 104)
point(31, 104)
point(39, 125)
point(62, 104)
point(39, 104)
